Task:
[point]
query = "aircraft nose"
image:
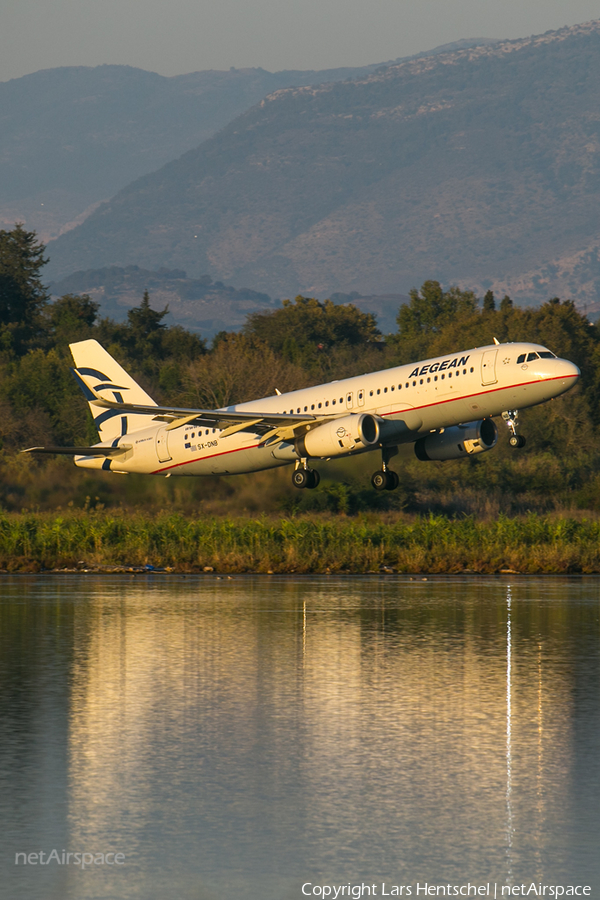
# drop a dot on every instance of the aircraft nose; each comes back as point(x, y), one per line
point(569, 370)
point(559, 375)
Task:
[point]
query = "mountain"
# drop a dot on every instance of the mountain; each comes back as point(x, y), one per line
point(479, 166)
point(71, 137)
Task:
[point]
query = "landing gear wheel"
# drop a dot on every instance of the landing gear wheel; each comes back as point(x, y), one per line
point(314, 479)
point(301, 478)
point(306, 478)
point(385, 481)
point(393, 480)
point(511, 417)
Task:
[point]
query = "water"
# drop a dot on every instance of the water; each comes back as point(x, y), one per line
point(240, 739)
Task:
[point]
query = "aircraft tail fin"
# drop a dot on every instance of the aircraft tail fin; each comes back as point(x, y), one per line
point(99, 375)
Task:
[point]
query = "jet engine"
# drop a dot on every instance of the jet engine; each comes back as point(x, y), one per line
point(339, 436)
point(458, 441)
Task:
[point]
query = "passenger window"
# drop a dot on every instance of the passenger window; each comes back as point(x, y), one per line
point(313, 406)
point(370, 393)
point(333, 402)
point(414, 383)
point(471, 369)
point(378, 390)
point(532, 356)
point(465, 371)
point(320, 404)
point(349, 398)
point(407, 384)
point(421, 381)
point(399, 387)
point(207, 431)
point(443, 376)
point(435, 377)
point(306, 409)
point(385, 390)
point(327, 403)
point(428, 380)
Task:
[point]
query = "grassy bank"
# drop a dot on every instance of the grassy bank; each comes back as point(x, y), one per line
point(32, 542)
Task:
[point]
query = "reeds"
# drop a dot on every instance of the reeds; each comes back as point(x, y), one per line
point(304, 544)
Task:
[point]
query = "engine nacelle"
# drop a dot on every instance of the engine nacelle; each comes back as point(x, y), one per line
point(339, 436)
point(458, 441)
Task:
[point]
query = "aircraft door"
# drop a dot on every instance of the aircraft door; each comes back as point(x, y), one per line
point(488, 367)
point(360, 396)
point(349, 400)
point(162, 445)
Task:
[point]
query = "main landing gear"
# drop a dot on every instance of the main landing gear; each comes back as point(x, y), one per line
point(304, 477)
point(385, 479)
point(511, 417)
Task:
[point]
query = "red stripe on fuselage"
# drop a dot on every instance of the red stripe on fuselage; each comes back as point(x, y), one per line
point(412, 409)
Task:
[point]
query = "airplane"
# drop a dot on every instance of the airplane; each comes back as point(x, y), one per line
point(444, 406)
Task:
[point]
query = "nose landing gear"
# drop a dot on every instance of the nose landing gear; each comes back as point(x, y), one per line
point(303, 477)
point(511, 417)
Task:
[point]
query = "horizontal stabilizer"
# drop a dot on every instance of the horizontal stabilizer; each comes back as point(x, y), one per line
point(81, 451)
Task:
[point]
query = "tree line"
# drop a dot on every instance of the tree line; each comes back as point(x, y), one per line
point(307, 341)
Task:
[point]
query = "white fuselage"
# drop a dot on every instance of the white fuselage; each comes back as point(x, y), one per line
point(429, 395)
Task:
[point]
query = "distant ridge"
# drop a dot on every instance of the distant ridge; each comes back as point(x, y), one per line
point(198, 304)
point(478, 166)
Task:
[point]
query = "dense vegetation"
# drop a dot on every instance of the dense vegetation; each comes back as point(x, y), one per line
point(305, 342)
point(85, 541)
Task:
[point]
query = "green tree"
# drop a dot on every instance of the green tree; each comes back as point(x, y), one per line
point(22, 294)
point(426, 321)
point(431, 309)
point(489, 304)
point(72, 318)
point(306, 327)
point(145, 321)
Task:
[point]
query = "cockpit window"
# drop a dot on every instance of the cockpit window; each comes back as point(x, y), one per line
point(521, 359)
point(532, 356)
point(545, 354)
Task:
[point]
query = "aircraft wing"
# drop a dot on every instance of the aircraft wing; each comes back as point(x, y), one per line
point(269, 425)
point(213, 415)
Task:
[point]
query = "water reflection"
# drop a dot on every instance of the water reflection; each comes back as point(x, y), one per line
point(239, 738)
point(509, 821)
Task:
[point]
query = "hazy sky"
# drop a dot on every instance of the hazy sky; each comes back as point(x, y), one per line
point(176, 36)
